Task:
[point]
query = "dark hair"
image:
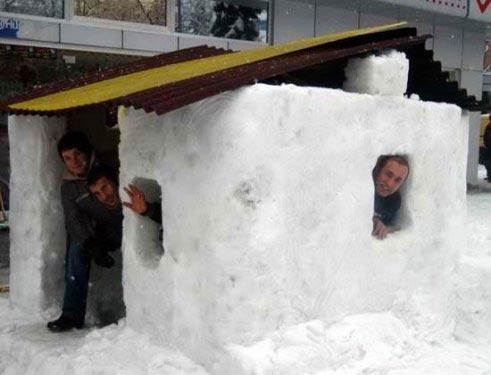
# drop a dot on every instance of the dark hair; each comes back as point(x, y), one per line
point(382, 160)
point(76, 140)
point(100, 171)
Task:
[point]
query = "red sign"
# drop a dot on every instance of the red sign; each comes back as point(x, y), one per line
point(483, 5)
point(451, 7)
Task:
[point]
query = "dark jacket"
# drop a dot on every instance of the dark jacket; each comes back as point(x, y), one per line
point(154, 212)
point(386, 208)
point(86, 217)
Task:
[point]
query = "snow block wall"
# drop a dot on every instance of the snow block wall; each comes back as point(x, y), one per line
point(37, 230)
point(267, 199)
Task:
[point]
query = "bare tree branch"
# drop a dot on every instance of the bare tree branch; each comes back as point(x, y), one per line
point(147, 15)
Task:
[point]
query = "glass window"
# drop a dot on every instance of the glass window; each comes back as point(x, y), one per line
point(233, 19)
point(152, 12)
point(45, 8)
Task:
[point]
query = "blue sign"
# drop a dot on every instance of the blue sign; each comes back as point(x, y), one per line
point(9, 27)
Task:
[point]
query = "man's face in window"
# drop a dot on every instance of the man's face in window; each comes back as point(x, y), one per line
point(390, 178)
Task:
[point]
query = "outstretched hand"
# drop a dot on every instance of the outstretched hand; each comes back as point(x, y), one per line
point(137, 202)
point(380, 230)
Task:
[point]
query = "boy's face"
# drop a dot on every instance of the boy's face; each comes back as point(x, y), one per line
point(390, 178)
point(106, 192)
point(75, 161)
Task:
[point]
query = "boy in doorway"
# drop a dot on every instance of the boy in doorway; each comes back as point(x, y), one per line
point(80, 209)
point(93, 220)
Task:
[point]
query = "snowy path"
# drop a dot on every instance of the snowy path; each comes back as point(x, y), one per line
point(362, 344)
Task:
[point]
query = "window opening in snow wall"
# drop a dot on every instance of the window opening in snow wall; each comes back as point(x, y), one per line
point(148, 232)
point(389, 175)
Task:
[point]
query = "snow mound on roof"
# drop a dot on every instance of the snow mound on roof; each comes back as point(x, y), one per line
point(386, 74)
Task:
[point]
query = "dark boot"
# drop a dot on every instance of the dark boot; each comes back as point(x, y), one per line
point(65, 323)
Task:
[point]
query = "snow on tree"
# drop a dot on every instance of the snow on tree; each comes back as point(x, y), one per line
point(235, 22)
point(195, 16)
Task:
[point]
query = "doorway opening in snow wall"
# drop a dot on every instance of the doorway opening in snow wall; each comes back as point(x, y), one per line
point(105, 304)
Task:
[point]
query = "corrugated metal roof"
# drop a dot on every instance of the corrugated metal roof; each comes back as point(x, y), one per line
point(170, 81)
point(137, 66)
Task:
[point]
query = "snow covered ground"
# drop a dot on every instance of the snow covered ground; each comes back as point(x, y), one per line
point(381, 343)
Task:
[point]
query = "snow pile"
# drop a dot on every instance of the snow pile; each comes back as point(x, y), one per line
point(474, 282)
point(357, 343)
point(360, 344)
point(267, 205)
point(378, 75)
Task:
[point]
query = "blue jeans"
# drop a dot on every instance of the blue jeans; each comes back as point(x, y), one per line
point(77, 271)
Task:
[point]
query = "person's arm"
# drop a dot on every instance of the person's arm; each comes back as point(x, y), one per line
point(77, 223)
point(80, 228)
point(154, 212)
point(96, 250)
point(380, 230)
point(139, 205)
point(385, 215)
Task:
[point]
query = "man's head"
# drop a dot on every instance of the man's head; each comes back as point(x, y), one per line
point(389, 174)
point(103, 184)
point(75, 150)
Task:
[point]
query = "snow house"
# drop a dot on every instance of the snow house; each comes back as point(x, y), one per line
point(262, 160)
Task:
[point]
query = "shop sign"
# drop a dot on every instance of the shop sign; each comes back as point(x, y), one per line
point(480, 10)
point(451, 7)
point(9, 27)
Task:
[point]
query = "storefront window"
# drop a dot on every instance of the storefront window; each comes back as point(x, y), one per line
point(152, 12)
point(45, 8)
point(233, 19)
